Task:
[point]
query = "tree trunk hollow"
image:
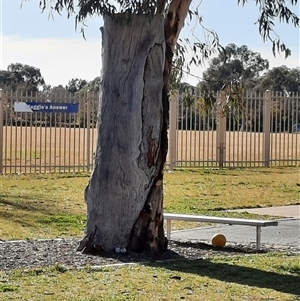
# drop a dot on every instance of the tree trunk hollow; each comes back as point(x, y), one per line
point(124, 196)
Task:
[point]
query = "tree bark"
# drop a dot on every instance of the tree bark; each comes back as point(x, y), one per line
point(124, 196)
point(125, 193)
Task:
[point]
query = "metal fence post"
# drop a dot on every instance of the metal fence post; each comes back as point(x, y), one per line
point(88, 133)
point(221, 132)
point(266, 128)
point(172, 130)
point(1, 131)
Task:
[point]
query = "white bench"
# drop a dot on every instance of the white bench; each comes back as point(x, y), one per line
point(220, 220)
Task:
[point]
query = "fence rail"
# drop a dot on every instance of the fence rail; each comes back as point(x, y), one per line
point(266, 132)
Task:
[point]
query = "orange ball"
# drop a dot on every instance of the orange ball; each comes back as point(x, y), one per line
point(218, 240)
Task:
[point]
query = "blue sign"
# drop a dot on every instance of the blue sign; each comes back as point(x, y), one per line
point(46, 107)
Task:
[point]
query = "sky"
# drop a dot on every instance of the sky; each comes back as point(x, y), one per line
point(61, 53)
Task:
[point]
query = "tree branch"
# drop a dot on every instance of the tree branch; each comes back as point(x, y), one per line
point(175, 20)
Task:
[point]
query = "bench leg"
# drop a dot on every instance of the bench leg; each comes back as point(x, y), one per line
point(168, 229)
point(258, 237)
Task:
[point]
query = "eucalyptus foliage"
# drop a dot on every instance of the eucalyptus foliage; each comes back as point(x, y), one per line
point(270, 12)
point(202, 47)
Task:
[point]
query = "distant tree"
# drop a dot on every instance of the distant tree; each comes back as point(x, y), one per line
point(283, 82)
point(46, 89)
point(76, 85)
point(22, 77)
point(58, 90)
point(237, 64)
point(92, 86)
point(89, 91)
point(124, 196)
point(7, 79)
point(280, 79)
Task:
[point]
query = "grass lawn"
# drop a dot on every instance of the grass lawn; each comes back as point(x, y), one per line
point(272, 276)
point(51, 205)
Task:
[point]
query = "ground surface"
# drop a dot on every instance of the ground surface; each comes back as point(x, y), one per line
point(189, 244)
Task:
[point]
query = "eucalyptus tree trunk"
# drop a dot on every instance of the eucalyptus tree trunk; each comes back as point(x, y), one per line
point(125, 193)
point(124, 196)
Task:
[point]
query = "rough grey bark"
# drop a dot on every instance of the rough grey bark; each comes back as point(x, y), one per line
point(124, 194)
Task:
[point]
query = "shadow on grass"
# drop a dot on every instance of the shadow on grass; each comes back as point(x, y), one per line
point(73, 175)
point(228, 272)
point(225, 272)
point(26, 203)
point(22, 211)
point(20, 203)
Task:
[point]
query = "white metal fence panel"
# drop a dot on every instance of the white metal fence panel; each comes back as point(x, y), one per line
point(264, 131)
point(285, 128)
point(245, 133)
point(196, 135)
point(47, 141)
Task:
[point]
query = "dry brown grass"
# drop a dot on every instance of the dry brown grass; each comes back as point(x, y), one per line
point(200, 146)
point(35, 149)
point(40, 149)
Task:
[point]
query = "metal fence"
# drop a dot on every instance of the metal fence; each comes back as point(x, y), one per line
point(47, 141)
point(265, 132)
